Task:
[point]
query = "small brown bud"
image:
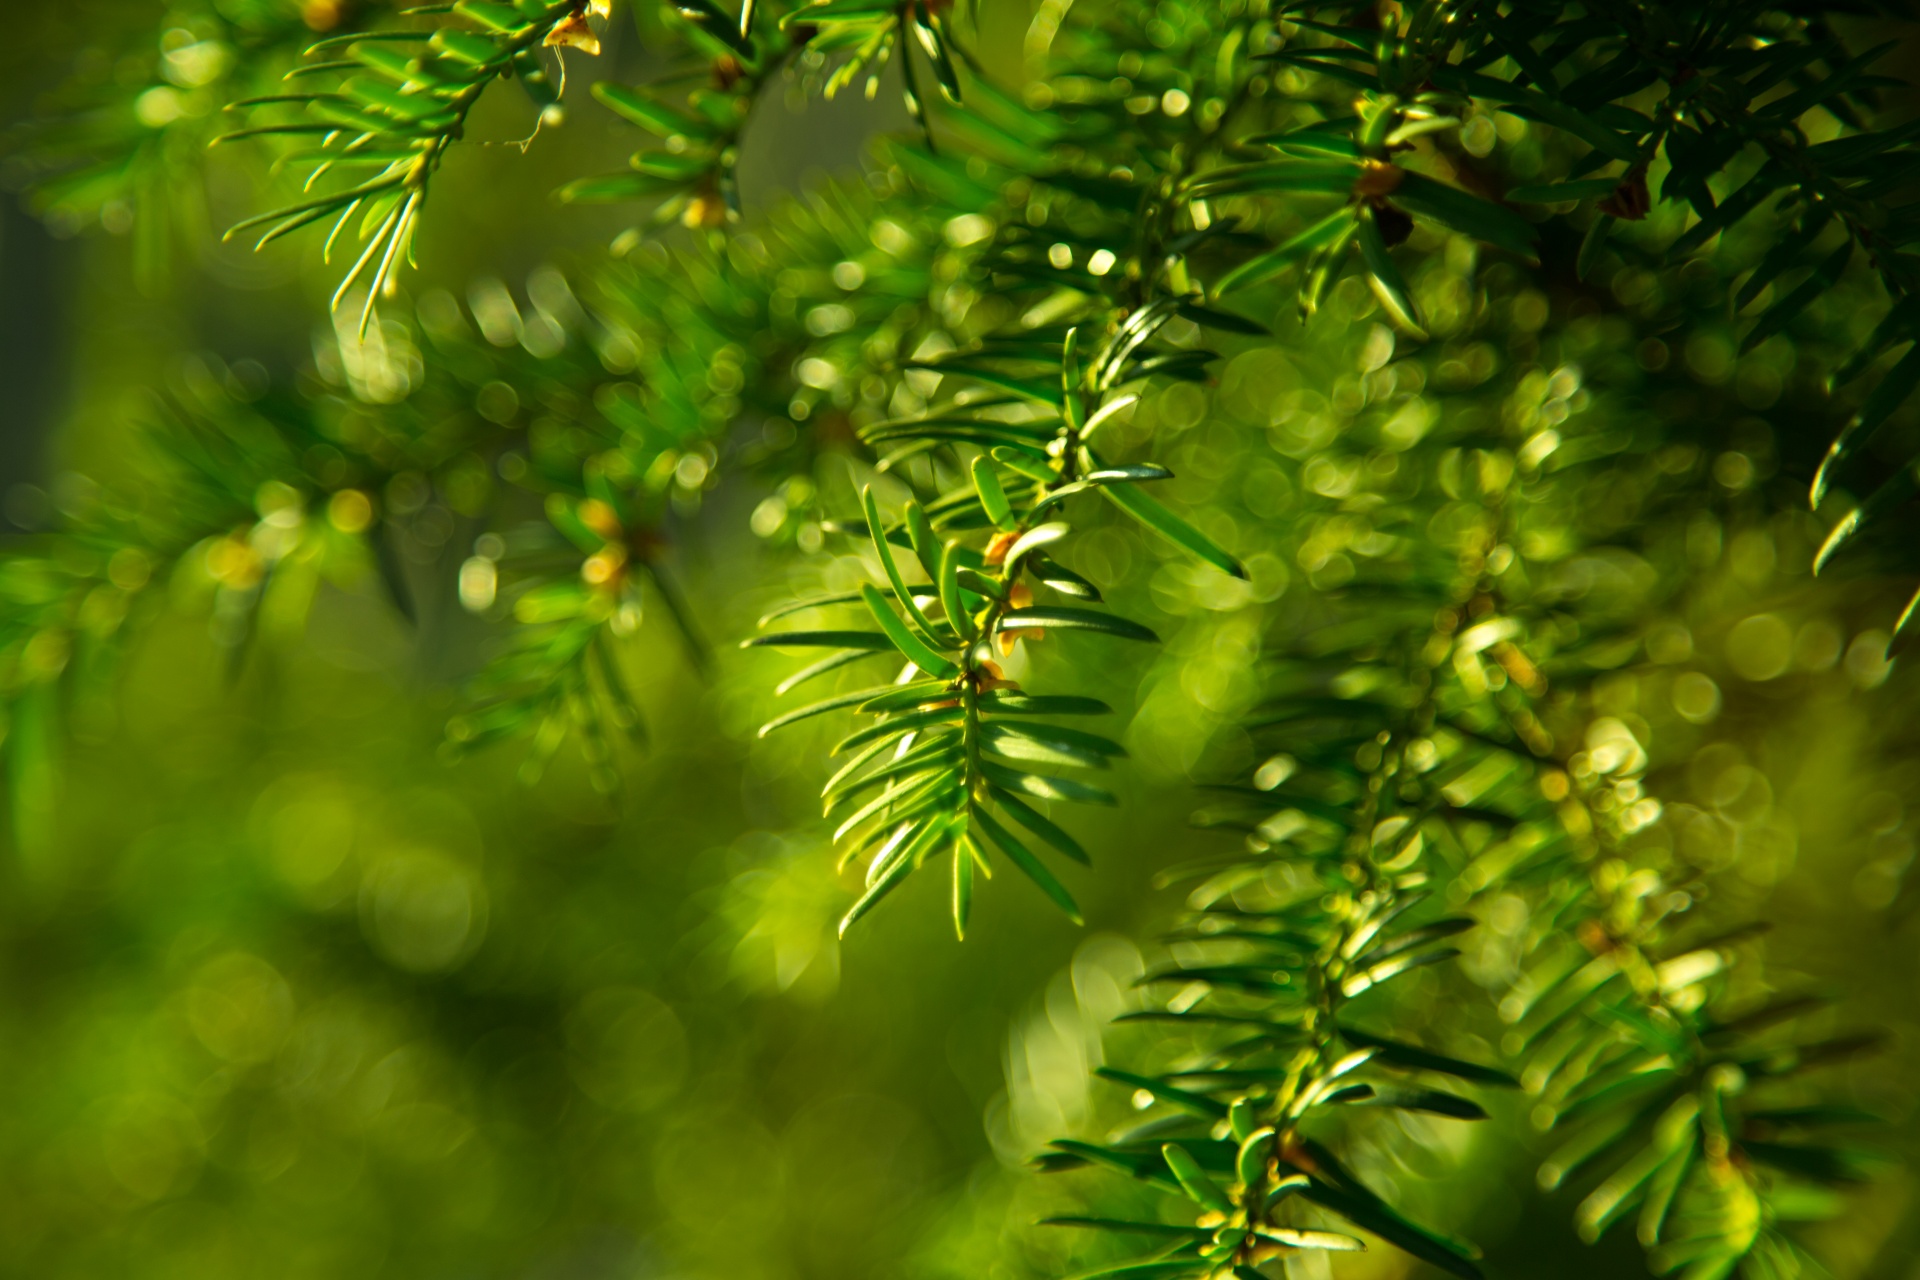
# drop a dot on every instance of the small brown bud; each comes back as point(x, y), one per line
point(1378, 178)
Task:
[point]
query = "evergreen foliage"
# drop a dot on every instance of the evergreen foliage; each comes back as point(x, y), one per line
point(1375, 235)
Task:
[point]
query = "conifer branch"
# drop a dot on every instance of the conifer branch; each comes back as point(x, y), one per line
point(400, 106)
point(970, 329)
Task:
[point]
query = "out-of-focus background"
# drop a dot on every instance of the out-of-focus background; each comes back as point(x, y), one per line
point(285, 995)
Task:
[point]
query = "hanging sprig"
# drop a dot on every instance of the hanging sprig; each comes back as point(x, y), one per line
point(957, 754)
point(396, 103)
point(1290, 983)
